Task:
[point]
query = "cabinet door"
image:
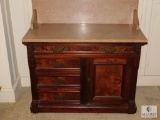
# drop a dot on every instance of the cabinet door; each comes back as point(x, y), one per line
point(108, 80)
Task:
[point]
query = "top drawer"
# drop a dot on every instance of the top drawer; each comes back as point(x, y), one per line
point(87, 48)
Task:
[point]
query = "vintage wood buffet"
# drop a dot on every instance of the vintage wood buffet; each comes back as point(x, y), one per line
point(80, 66)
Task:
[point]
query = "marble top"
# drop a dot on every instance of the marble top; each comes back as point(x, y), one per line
point(85, 11)
point(89, 33)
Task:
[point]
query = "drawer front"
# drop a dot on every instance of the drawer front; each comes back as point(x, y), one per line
point(110, 60)
point(108, 48)
point(58, 63)
point(58, 96)
point(58, 89)
point(63, 80)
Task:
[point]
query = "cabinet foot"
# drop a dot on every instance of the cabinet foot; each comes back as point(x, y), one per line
point(33, 108)
point(132, 108)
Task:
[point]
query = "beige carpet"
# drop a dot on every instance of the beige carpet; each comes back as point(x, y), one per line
point(21, 111)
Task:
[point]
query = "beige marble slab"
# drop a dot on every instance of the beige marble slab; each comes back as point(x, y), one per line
point(85, 11)
point(108, 33)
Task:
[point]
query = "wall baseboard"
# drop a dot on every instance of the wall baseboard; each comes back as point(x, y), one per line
point(11, 94)
point(148, 81)
point(17, 88)
point(25, 80)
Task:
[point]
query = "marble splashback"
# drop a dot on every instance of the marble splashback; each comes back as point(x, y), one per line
point(85, 11)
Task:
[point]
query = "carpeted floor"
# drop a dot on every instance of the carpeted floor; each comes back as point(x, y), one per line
point(21, 111)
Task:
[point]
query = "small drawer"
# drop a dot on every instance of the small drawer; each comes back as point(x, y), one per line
point(58, 63)
point(60, 80)
point(58, 89)
point(81, 48)
point(58, 96)
point(49, 48)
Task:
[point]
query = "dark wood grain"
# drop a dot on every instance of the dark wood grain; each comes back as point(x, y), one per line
point(108, 80)
point(55, 96)
point(58, 80)
point(84, 48)
point(108, 76)
point(83, 77)
point(58, 63)
point(58, 88)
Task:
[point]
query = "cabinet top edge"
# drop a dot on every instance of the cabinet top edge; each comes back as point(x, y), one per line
point(85, 33)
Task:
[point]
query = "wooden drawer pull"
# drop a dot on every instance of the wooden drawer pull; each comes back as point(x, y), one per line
point(59, 97)
point(58, 81)
point(110, 49)
point(57, 64)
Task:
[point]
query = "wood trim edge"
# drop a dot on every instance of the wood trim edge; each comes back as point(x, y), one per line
point(34, 23)
point(135, 19)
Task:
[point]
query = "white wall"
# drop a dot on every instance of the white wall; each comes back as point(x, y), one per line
point(9, 77)
point(149, 15)
point(153, 56)
point(4, 67)
point(21, 11)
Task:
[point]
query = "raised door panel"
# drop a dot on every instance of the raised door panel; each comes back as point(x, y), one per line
point(108, 82)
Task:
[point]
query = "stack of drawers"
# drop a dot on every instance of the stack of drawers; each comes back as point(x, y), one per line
point(53, 84)
point(57, 78)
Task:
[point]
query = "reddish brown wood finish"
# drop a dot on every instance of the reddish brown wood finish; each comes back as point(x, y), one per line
point(52, 96)
point(84, 48)
point(58, 63)
point(88, 78)
point(58, 80)
point(58, 88)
